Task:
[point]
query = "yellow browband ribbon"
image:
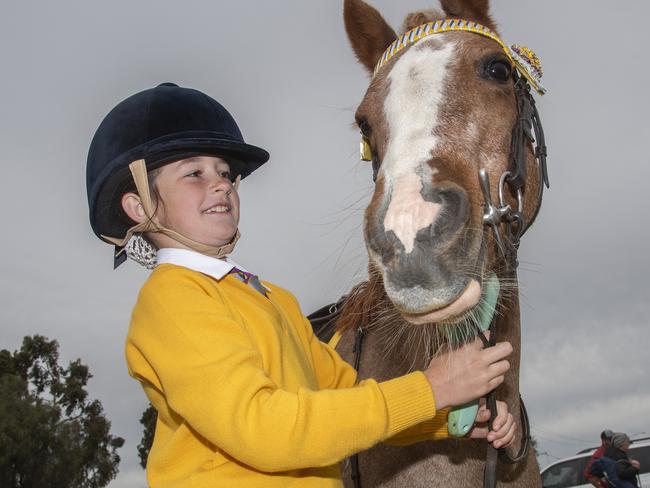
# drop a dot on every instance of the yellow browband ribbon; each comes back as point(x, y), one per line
point(524, 59)
point(139, 172)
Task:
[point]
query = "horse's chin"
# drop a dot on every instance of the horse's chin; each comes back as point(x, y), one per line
point(468, 299)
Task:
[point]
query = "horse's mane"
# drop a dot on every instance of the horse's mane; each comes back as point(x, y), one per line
point(362, 304)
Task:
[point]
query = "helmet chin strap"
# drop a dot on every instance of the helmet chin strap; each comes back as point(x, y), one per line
point(151, 224)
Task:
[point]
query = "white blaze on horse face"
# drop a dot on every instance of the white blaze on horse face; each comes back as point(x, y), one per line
point(412, 110)
point(408, 212)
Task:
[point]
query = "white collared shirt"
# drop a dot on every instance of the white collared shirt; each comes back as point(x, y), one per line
point(217, 268)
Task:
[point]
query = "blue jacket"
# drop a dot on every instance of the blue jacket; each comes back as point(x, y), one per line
point(617, 472)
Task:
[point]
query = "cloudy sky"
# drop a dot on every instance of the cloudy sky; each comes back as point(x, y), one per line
point(285, 70)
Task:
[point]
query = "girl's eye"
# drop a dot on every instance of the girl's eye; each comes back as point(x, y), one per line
point(226, 175)
point(194, 173)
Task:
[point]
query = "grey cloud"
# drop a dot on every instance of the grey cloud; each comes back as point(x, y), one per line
point(293, 84)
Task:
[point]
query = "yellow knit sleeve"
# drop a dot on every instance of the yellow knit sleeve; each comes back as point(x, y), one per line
point(429, 430)
point(212, 376)
point(334, 372)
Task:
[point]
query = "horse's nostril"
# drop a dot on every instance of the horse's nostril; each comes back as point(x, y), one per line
point(440, 214)
point(427, 259)
point(408, 212)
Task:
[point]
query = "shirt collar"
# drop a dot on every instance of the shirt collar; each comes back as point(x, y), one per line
point(217, 268)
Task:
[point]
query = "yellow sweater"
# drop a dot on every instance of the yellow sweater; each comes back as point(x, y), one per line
point(246, 394)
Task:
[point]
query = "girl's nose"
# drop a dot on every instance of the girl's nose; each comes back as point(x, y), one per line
point(220, 183)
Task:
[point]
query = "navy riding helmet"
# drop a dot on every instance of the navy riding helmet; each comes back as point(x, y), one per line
point(160, 125)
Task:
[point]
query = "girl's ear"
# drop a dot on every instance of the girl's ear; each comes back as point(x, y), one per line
point(133, 207)
point(367, 31)
point(476, 10)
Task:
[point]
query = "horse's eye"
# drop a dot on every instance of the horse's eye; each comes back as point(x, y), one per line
point(364, 127)
point(499, 70)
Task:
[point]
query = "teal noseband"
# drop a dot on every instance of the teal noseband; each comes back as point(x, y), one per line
point(461, 419)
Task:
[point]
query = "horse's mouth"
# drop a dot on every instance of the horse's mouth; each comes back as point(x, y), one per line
point(466, 301)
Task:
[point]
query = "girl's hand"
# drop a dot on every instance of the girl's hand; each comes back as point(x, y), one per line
point(469, 372)
point(504, 426)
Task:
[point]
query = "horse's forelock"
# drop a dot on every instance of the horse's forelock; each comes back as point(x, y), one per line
point(421, 17)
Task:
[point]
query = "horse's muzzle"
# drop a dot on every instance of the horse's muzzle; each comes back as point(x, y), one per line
point(425, 267)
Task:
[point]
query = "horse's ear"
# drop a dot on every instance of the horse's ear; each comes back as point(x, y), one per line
point(416, 19)
point(476, 10)
point(368, 32)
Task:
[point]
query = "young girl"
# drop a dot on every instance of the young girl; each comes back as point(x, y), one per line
point(246, 395)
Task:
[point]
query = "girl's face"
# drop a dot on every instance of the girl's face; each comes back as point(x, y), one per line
point(197, 200)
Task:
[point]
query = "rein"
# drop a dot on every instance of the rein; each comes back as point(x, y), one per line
point(515, 227)
point(493, 454)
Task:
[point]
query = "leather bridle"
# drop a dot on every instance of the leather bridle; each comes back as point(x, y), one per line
point(527, 130)
point(515, 226)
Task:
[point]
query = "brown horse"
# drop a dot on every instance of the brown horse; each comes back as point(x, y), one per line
point(436, 113)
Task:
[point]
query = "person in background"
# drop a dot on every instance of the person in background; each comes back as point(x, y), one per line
point(626, 469)
point(605, 442)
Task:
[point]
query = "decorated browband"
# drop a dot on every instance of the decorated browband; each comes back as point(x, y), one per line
point(525, 60)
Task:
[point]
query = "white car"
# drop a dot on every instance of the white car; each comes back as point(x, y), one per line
point(568, 473)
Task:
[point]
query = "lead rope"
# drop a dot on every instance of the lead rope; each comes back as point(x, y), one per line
point(493, 454)
point(354, 459)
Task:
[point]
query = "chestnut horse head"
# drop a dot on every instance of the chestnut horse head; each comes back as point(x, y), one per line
point(440, 109)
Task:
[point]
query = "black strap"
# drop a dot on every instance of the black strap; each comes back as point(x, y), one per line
point(323, 320)
point(522, 133)
point(528, 123)
point(493, 454)
point(119, 256)
point(354, 459)
point(540, 154)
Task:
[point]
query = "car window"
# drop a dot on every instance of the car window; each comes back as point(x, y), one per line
point(641, 454)
point(566, 474)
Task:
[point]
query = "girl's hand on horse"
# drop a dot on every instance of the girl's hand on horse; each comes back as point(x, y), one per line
point(465, 374)
point(503, 427)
